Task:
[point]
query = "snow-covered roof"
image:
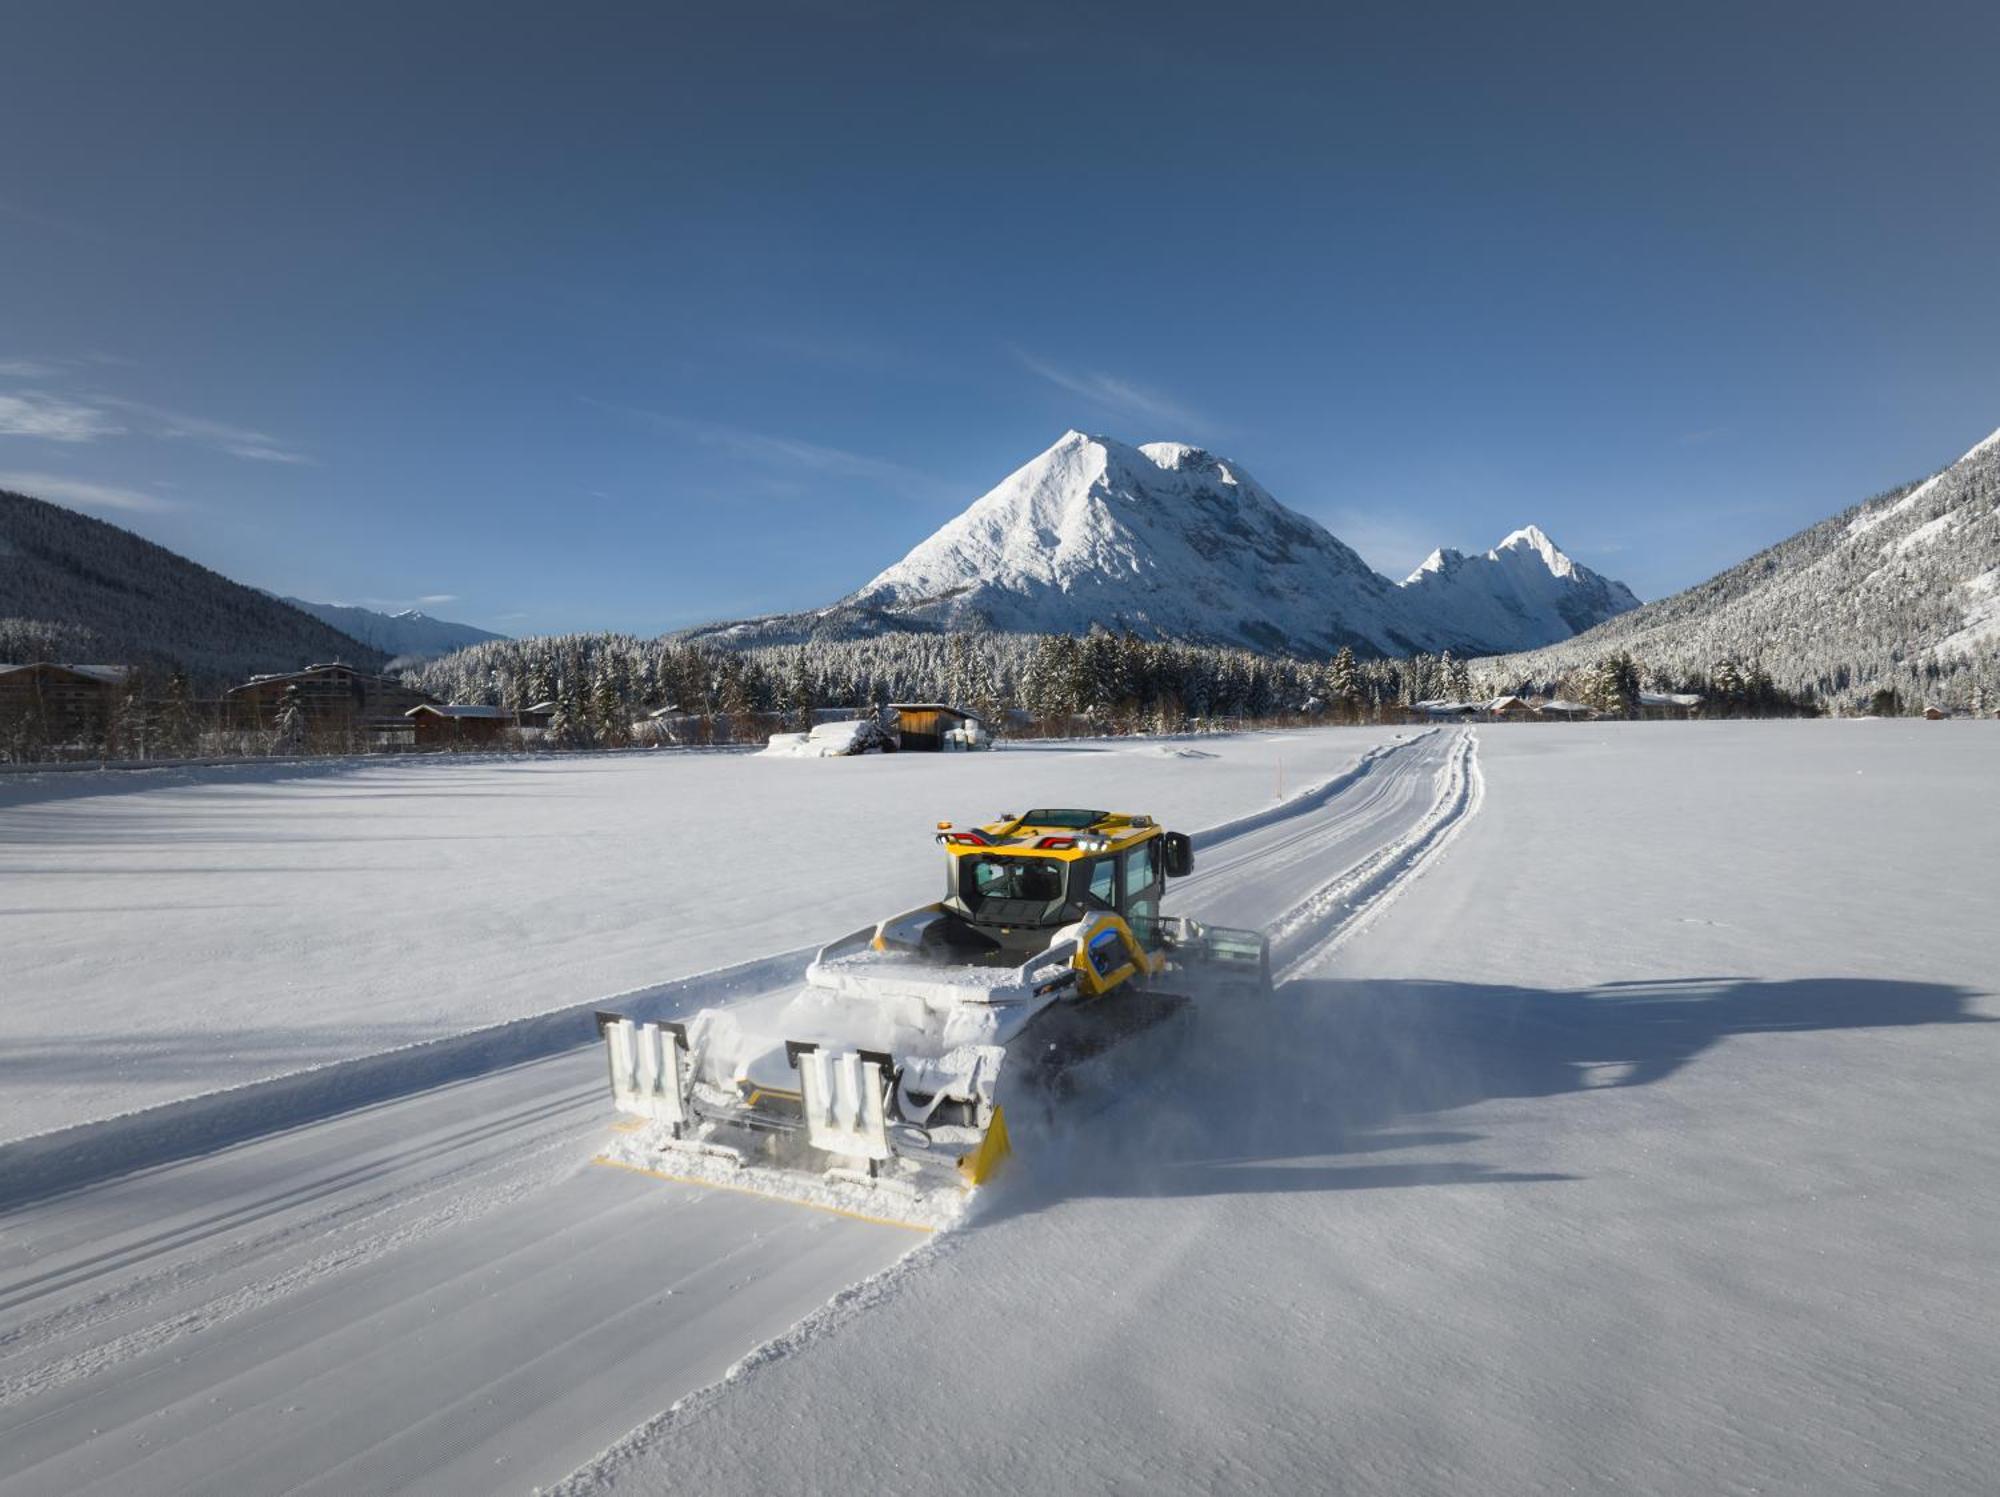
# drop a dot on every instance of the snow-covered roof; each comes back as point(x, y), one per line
point(1567, 709)
point(1668, 699)
point(454, 710)
point(111, 675)
point(311, 670)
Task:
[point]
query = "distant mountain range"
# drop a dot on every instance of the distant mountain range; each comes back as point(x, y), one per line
point(83, 590)
point(1170, 541)
point(1900, 590)
point(408, 635)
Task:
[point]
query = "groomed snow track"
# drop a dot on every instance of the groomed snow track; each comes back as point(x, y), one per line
point(435, 1291)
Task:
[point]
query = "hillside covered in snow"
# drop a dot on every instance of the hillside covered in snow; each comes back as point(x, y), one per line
point(408, 634)
point(1169, 541)
point(1899, 591)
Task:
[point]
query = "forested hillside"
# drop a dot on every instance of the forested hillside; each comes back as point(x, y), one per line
point(1900, 593)
point(75, 588)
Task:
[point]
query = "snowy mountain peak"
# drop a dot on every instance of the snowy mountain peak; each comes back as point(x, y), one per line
point(1524, 588)
point(1444, 559)
point(407, 634)
point(1171, 540)
point(1178, 457)
point(1530, 539)
point(1166, 540)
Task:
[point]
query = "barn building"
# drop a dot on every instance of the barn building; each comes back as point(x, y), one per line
point(932, 727)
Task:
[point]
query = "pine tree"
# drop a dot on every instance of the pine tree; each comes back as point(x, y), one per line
point(288, 730)
point(1344, 684)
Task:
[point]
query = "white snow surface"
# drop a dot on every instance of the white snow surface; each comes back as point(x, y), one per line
point(435, 1292)
point(1648, 1143)
point(1167, 539)
point(170, 933)
point(1634, 1133)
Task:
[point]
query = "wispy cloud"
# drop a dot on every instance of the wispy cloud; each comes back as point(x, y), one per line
point(29, 369)
point(53, 418)
point(790, 453)
point(91, 417)
point(432, 599)
point(1121, 397)
point(84, 495)
point(237, 441)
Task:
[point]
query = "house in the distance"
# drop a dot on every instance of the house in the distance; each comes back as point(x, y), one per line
point(936, 727)
point(63, 703)
point(1668, 704)
point(1509, 706)
point(1437, 709)
point(335, 698)
point(442, 725)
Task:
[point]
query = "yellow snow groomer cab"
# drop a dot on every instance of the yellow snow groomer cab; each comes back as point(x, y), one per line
point(1010, 882)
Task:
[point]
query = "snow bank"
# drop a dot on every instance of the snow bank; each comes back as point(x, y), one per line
point(833, 740)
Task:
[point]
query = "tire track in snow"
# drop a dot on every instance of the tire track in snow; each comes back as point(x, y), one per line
point(1318, 926)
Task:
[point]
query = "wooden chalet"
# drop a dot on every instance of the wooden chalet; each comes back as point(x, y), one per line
point(922, 726)
point(334, 696)
point(68, 703)
point(442, 725)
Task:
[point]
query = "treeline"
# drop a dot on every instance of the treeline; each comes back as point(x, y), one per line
point(602, 685)
point(615, 690)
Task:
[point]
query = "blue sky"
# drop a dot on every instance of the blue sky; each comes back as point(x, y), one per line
point(633, 316)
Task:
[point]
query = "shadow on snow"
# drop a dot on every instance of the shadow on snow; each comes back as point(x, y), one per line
point(1306, 1090)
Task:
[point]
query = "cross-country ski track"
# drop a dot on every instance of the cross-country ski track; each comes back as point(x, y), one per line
point(438, 1291)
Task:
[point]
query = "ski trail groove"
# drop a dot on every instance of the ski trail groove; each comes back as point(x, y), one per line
point(1319, 925)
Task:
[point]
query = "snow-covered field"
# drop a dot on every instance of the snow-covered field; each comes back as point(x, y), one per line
point(1650, 1143)
point(172, 933)
point(1644, 1142)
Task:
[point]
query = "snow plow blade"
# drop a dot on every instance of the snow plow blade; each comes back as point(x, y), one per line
point(855, 1132)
